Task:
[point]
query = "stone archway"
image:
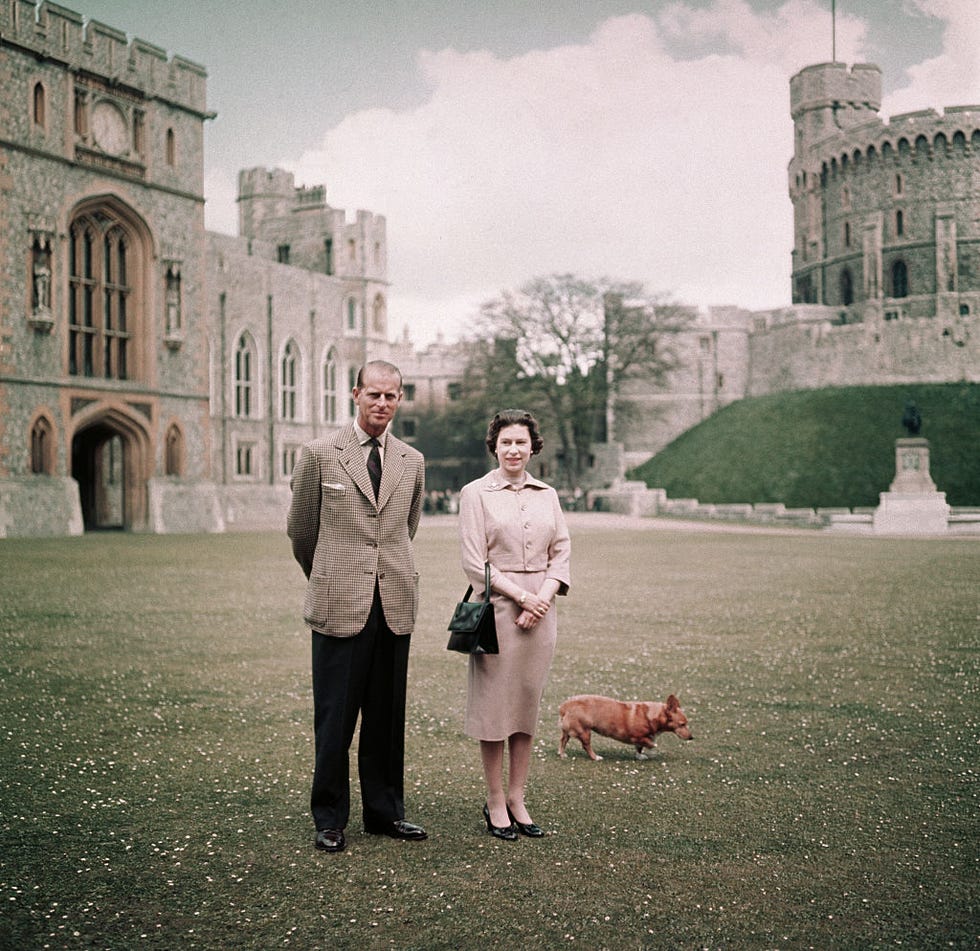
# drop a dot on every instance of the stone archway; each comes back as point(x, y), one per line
point(109, 454)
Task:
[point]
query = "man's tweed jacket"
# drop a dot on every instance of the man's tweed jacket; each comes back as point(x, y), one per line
point(344, 540)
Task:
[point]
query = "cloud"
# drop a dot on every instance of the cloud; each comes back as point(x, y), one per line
point(655, 151)
point(953, 77)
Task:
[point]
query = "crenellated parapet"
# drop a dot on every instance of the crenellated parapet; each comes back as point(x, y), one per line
point(89, 48)
point(886, 214)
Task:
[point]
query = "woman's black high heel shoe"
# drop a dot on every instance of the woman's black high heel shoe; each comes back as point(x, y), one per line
point(526, 828)
point(500, 832)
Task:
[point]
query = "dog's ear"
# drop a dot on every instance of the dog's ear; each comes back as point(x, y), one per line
point(673, 703)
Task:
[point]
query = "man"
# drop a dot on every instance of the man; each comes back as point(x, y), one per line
point(357, 500)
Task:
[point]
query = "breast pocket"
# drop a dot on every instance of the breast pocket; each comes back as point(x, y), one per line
point(332, 495)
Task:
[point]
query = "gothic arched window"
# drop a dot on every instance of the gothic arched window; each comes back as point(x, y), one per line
point(289, 374)
point(40, 105)
point(330, 387)
point(103, 304)
point(244, 369)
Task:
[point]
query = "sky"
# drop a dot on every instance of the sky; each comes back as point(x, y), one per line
point(637, 140)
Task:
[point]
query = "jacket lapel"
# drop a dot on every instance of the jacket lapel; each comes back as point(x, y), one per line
point(352, 459)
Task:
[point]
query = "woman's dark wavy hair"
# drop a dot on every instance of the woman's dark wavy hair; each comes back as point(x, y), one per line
point(514, 417)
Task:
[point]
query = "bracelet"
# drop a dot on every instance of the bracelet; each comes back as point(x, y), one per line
point(522, 598)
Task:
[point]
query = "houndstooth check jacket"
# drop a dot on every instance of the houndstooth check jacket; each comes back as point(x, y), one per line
point(344, 540)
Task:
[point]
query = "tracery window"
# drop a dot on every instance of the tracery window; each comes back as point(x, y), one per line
point(244, 368)
point(101, 300)
point(288, 378)
point(330, 387)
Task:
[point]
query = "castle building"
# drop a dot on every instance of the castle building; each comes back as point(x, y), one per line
point(885, 266)
point(155, 377)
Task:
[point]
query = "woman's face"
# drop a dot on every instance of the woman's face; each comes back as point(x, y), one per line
point(513, 449)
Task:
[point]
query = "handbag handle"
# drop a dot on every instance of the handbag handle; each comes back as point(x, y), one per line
point(486, 581)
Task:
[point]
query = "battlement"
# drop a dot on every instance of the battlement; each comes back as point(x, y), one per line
point(923, 131)
point(89, 47)
point(828, 85)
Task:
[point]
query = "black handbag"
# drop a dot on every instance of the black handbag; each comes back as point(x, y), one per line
point(472, 629)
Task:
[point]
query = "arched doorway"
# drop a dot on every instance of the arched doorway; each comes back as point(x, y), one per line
point(108, 461)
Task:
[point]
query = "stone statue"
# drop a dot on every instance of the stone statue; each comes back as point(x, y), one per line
point(912, 419)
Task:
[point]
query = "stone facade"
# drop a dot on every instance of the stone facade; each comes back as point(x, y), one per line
point(886, 266)
point(103, 336)
point(154, 377)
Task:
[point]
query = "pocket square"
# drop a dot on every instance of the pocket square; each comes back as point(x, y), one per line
point(334, 486)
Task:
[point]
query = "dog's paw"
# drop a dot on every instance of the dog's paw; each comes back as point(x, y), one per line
point(597, 757)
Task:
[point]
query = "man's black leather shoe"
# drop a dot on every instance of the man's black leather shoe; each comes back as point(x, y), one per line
point(399, 829)
point(330, 840)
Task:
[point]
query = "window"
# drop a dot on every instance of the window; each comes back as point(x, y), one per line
point(846, 288)
point(244, 368)
point(288, 388)
point(101, 300)
point(899, 183)
point(243, 459)
point(290, 454)
point(173, 451)
point(352, 251)
point(899, 223)
point(42, 447)
point(351, 313)
point(379, 314)
point(409, 391)
point(171, 148)
point(900, 279)
point(282, 254)
point(39, 106)
point(328, 251)
point(847, 234)
point(454, 391)
point(330, 387)
point(351, 383)
point(408, 428)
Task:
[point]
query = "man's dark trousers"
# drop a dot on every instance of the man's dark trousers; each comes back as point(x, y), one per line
point(364, 674)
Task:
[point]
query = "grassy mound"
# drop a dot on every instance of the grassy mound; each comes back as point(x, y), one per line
point(832, 447)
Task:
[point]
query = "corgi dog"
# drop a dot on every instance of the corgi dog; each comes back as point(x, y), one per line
point(637, 722)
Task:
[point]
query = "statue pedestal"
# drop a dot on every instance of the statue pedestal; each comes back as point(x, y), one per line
point(912, 506)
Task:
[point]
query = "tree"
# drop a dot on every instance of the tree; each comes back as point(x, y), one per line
point(562, 346)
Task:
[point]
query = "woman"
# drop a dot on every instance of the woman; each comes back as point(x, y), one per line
point(513, 521)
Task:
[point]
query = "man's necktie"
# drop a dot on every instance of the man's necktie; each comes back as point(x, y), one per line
point(374, 465)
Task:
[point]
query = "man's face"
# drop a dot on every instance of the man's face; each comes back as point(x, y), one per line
point(377, 400)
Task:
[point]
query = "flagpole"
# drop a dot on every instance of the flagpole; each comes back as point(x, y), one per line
point(833, 28)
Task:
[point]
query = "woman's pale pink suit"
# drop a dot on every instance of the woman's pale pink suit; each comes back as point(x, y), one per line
point(522, 533)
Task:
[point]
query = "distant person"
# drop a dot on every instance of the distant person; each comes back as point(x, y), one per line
point(357, 500)
point(515, 522)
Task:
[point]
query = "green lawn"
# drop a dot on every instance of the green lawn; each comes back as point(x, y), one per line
point(831, 447)
point(157, 743)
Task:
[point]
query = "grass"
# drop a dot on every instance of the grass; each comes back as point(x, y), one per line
point(822, 448)
point(157, 748)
